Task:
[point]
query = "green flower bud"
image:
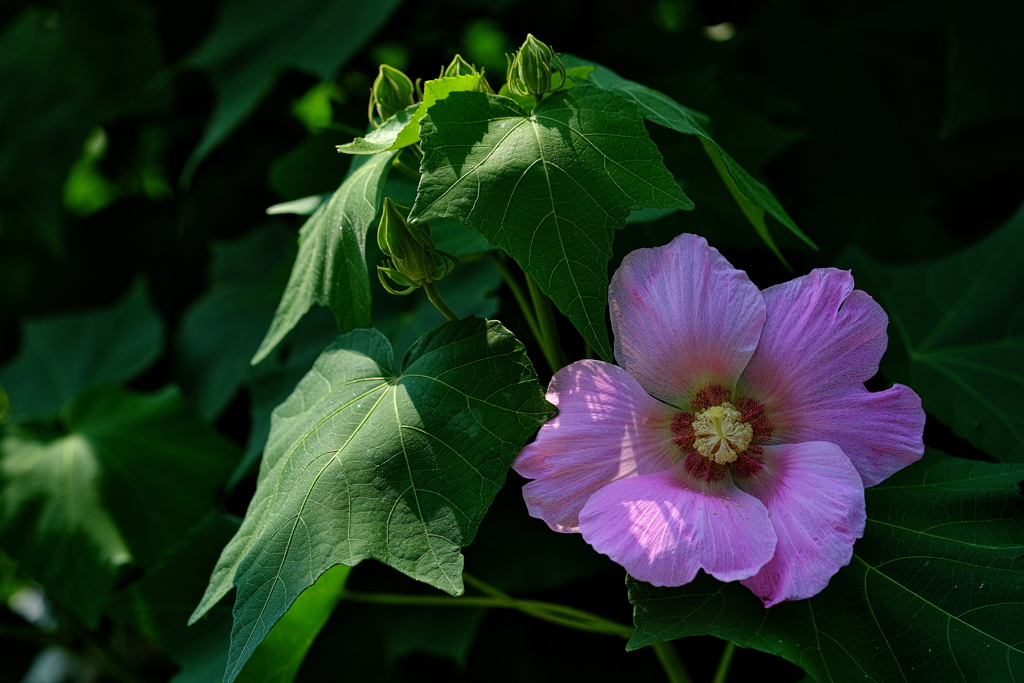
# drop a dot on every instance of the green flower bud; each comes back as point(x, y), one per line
point(413, 260)
point(460, 67)
point(392, 91)
point(530, 70)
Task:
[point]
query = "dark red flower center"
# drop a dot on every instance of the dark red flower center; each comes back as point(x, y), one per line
point(722, 433)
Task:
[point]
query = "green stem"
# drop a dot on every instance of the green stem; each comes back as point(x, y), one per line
point(517, 292)
point(549, 341)
point(723, 664)
point(563, 615)
point(670, 663)
point(569, 617)
point(439, 304)
point(406, 169)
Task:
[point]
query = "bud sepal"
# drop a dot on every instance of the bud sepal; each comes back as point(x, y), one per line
point(531, 69)
point(412, 261)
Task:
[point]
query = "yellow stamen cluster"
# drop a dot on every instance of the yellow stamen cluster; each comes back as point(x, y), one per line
point(719, 434)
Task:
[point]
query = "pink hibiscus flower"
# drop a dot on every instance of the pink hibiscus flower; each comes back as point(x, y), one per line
point(735, 435)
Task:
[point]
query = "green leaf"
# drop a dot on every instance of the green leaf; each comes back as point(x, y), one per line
point(279, 656)
point(386, 137)
point(753, 198)
point(961, 323)
point(933, 592)
point(126, 481)
point(220, 332)
point(254, 39)
point(330, 269)
point(63, 354)
point(549, 186)
point(364, 462)
point(403, 129)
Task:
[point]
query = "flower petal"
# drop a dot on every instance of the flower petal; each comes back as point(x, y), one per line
point(683, 318)
point(607, 428)
point(820, 343)
point(663, 527)
point(881, 432)
point(816, 502)
point(820, 339)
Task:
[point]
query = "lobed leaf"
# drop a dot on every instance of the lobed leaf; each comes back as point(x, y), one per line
point(365, 462)
point(548, 186)
point(330, 268)
point(933, 592)
point(126, 482)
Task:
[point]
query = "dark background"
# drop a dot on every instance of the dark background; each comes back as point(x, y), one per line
point(894, 127)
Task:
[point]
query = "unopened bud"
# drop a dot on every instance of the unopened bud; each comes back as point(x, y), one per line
point(460, 67)
point(530, 69)
point(412, 259)
point(392, 92)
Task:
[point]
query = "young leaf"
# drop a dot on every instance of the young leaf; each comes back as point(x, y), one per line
point(961, 323)
point(549, 186)
point(932, 593)
point(753, 198)
point(403, 129)
point(125, 483)
point(365, 462)
point(64, 354)
point(330, 269)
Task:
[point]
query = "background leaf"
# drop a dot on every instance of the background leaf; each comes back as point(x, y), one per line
point(132, 474)
point(961, 323)
point(220, 332)
point(255, 38)
point(933, 591)
point(59, 82)
point(157, 605)
point(549, 186)
point(365, 462)
point(753, 198)
point(330, 268)
point(63, 354)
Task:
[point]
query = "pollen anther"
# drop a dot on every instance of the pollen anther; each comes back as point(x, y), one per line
point(719, 434)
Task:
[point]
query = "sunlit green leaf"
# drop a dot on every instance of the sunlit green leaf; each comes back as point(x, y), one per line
point(548, 186)
point(364, 461)
point(961, 323)
point(123, 485)
point(753, 198)
point(330, 268)
point(254, 39)
point(63, 354)
point(933, 592)
point(403, 129)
